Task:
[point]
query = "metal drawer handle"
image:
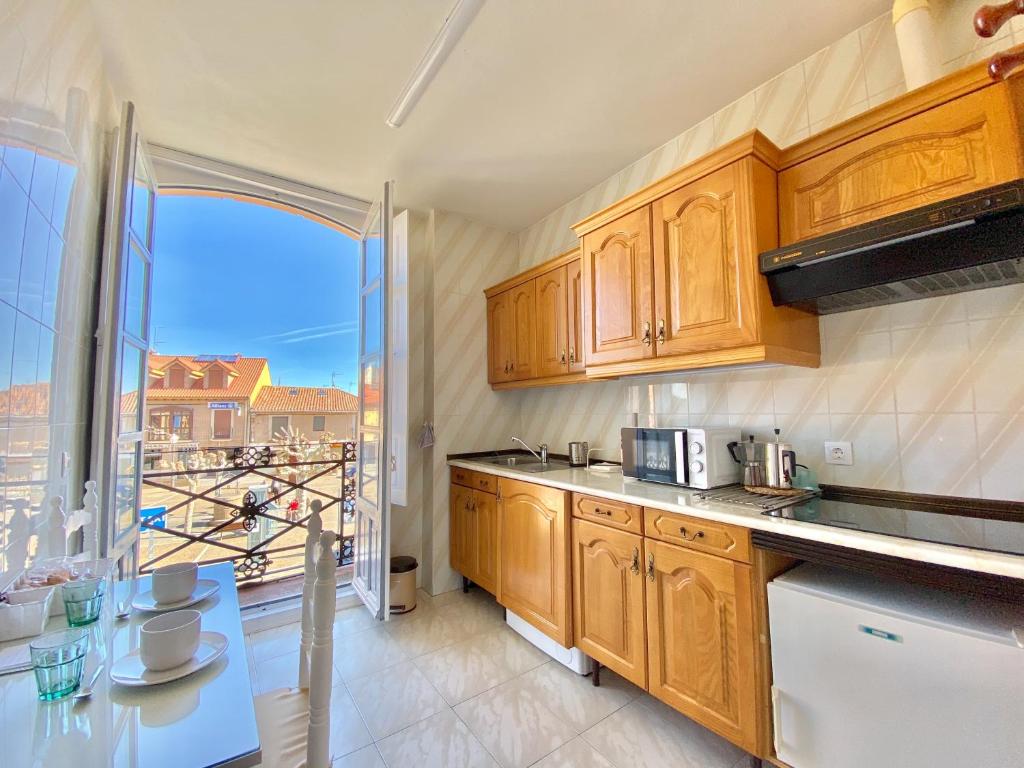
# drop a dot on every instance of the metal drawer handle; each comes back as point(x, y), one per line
point(563, 357)
point(697, 535)
point(661, 331)
point(650, 567)
point(605, 512)
point(572, 355)
point(635, 567)
point(647, 334)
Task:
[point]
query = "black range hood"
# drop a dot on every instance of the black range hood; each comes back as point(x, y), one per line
point(969, 242)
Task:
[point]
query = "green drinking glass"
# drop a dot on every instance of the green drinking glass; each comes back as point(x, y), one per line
point(83, 600)
point(58, 660)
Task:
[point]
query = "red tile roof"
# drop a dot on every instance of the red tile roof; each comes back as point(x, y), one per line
point(241, 387)
point(305, 400)
point(26, 399)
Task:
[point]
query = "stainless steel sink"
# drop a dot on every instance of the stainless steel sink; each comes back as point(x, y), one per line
point(524, 463)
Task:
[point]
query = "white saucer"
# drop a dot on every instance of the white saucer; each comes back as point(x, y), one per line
point(129, 671)
point(204, 588)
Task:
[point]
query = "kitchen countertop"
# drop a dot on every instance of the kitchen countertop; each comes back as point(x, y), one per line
point(613, 485)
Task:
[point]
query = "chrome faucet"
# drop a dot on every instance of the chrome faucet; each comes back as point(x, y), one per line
point(542, 457)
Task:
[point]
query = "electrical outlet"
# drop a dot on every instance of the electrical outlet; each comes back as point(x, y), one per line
point(839, 452)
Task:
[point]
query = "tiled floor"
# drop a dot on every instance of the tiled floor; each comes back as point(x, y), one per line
point(451, 686)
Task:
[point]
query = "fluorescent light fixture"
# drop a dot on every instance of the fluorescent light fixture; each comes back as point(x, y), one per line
point(453, 28)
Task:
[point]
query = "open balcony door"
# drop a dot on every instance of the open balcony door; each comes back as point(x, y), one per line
point(122, 345)
point(372, 548)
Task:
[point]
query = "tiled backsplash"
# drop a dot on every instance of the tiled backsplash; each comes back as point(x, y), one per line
point(928, 392)
point(54, 107)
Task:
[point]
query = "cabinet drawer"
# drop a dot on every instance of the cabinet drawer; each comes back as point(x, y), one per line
point(485, 483)
point(462, 476)
point(730, 541)
point(616, 514)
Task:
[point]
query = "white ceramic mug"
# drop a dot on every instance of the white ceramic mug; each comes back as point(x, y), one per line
point(169, 640)
point(174, 583)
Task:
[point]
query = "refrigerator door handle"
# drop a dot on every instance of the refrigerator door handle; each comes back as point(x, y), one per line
point(777, 719)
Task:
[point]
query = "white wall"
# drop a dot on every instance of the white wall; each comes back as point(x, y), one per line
point(929, 391)
point(55, 105)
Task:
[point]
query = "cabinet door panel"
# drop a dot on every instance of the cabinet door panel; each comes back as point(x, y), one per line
point(701, 640)
point(533, 566)
point(963, 145)
point(574, 315)
point(523, 339)
point(461, 530)
point(485, 541)
point(608, 598)
point(617, 279)
point(704, 268)
point(499, 348)
point(552, 333)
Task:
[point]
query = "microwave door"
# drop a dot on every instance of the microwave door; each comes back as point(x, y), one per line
point(656, 455)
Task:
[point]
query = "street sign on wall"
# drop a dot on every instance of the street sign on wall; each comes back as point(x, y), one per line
point(223, 406)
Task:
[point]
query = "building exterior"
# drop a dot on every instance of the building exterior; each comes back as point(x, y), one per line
point(309, 412)
point(202, 401)
point(221, 401)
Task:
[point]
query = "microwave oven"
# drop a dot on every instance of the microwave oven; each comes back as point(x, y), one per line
point(696, 457)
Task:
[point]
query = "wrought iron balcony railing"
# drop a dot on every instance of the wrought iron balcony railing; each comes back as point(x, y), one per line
point(246, 505)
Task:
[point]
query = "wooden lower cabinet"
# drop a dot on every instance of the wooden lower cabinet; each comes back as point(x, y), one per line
point(485, 518)
point(460, 527)
point(608, 598)
point(533, 556)
point(473, 535)
point(701, 640)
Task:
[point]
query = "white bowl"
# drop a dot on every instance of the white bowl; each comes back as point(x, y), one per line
point(174, 583)
point(169, 640)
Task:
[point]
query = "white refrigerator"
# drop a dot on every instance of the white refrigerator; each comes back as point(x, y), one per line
point(868, 672)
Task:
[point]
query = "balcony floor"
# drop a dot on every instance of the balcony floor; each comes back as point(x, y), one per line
point(250, 594)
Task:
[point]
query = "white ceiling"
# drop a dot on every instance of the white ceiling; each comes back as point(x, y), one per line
point(541, 100)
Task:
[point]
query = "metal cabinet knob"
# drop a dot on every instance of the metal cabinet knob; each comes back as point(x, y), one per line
point(563, 357)
point(650, 567)
point(635, 567)
point(572, 356)
point(647, 334)
point(661, 331)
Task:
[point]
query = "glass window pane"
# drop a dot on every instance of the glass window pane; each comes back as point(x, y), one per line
point(369, 391)
point(125, 501)
point(131, 375)
point(142, 197)
point(371, 323)
point(135, 292)
point(371, 250)
point(369, 466)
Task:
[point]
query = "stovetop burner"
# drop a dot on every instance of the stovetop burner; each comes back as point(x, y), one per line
point(940, 527)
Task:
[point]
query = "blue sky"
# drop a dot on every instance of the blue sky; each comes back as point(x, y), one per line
point(232, 277)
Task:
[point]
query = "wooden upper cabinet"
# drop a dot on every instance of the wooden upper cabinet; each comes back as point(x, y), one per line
point(523, 338)
point(608, 598)
point(533, 571)
point(499, 334)
point(574, 316)
point(552, 319)
point(617, 285)
point(705, 272)
point(701, 641)
point(957, 147)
